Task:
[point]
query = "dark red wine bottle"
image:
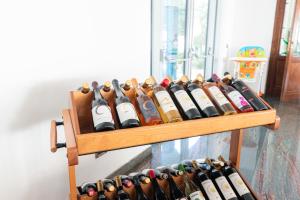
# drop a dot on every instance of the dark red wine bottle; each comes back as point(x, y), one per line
point(126, 112)
point(202, 100)
point(251, 97)
point(158, 192)
point(121, 194)
point(89, 189)
point(101, 112)
point(236, 181)
point(140, 195)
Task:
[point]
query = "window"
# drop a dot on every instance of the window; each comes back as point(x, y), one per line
point(183, 33)
point(286, 27)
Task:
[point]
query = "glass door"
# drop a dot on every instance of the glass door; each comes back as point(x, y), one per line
point(183, 33)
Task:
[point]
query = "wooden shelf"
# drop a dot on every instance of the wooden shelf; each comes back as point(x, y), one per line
point(81, 140)
point(111, 140)
point(147, 188)
point(91, 142)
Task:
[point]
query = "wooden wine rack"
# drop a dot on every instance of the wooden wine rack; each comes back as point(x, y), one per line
point(81, 140)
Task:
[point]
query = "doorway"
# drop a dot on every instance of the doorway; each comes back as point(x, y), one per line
point(284, 66)
point(183, 36)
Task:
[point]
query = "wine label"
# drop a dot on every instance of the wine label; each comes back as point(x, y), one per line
point(196, 196)
point(210, 190)
point(225, 188)
point(201, 98)
point(218, 95)
point(184, 100)
point(101, 113)
point(126, 111)
point(165, 101)
point(238, 99)
point(148, 108)
point(238, 183)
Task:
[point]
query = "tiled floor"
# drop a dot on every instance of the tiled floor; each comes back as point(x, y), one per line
point(270, 160)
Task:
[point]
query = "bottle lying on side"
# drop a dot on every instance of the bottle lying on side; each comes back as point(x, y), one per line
point(89, 189)
point(174, 192)
point(201, 99)
point(236, 181)
point(246, 91)
point(237, 100)
point(208, 186)
point(126, 112)
point(218, 97)
point(221, 182)
point(191, 190)
point(158, 193)
point(101, 112)
point(183, 101)
point(165, 104)
point(146, 106)
point(101, 191)
point(121, 194)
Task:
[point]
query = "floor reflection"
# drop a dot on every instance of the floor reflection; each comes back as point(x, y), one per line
point(270, 160)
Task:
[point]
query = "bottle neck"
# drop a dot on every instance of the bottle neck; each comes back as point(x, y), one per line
point(117, 88)
point(97, 95)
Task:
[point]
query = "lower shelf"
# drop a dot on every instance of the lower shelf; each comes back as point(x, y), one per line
point(147, 188)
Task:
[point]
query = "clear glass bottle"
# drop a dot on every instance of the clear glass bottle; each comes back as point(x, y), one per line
point(164, 101)
point(146, 106)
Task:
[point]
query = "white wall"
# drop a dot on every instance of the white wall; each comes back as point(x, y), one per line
point(243, 23)
point(48, 48)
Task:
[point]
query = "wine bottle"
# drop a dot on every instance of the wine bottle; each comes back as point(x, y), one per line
point(164, 101)
point(157, 173)
point(188, 168)
point(126, 112)
point(89, 189)
point(190, 189)
point(147, 86)
point(158, 192)
point(100, 189)
point(218, 97)
point(121, 194)
point(202, 100)
point(251, 97)
point(140, 195)
point(84, 88)
point(108, 93)
point(129, 91)
point(147, 107)
point(126, 181)
point(102, 117)
point(236, 181)
point(185, 104)
point(183, 80)
point(237, 100)
point(175, 192)
point(221, 182)
point(207, 184)
point(142, 177)
point(109, 185)
point(170, 171)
